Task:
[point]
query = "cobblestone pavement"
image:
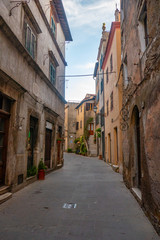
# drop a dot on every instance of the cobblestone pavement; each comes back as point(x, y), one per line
point(105, 208)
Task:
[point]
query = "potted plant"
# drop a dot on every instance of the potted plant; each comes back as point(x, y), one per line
point(59, 140)
point(32, 171)
point(41, 168)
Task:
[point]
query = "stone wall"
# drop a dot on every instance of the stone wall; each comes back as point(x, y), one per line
point(141, 100)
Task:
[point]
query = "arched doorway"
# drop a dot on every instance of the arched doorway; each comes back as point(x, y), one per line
point(136, 171)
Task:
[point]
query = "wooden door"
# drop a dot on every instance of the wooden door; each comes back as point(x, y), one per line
point(91, 128)
point(58, 152)
point(32, 141)
point(4, 124)
point(48, 147)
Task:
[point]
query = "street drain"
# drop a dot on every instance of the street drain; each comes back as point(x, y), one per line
point(69, 205)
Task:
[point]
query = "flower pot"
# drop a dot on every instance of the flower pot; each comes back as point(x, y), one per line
point(41, 174)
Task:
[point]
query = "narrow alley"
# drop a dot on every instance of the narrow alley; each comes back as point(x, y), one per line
point(104, 208)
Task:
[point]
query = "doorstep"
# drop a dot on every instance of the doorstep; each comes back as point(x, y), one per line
point(4, 197)
point(115, 168)
point(137, 193)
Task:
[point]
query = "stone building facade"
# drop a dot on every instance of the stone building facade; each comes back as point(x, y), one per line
point(113, 96)
point(70, 125)
point(32, 87)
point(140, 34)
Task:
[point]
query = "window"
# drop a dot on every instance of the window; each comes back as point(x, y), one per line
point(102, 116)
point(107, 107)
point(81, 108)
point(122, 11)
point(81, 124)
point(77, 125)
point(107, 75)
point(102, 85)
point(5, 103)
point(125, 71)
point(101, 61)
point(53, 26)
point(111, 101)
point(78, 111)
point(111, 63)
point(143, 28)
point(52, 74)
point(30, 41)
point(89, 106)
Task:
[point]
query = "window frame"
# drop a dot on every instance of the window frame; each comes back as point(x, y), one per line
point(50, 77)
point(81, 124)
point(89, 106)
point(31, 45)
point(143, 27)
point(107, 76)
point(111, 101)
point(53, 27)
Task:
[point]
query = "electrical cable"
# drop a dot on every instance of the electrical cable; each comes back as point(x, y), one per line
point(85, 75)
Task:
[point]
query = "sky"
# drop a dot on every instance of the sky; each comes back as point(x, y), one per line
point(85, 18)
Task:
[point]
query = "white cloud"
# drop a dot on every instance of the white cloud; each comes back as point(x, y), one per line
point(87, 66)
point(80, 15)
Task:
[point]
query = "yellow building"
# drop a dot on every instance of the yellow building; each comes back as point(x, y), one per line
point(84, 113)
point(113, 96)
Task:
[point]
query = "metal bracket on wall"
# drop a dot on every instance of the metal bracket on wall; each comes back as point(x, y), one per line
point(18, 3)
point(125, 117)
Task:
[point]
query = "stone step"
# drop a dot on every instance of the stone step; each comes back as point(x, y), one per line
point(5, 197)
point(115, 168)
point(4, 189)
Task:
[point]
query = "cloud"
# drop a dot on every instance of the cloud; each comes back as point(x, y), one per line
point(87, 66)
point(85, 14)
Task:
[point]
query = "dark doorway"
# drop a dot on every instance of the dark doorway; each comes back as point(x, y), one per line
point(4, 125)
point(59, 145)
point(32, 139)
point(137, 148)
point(48, 147)
point(103, 146)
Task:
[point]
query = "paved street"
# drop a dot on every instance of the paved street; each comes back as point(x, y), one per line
point(105, 209)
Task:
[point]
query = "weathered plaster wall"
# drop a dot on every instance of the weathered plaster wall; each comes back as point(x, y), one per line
point(143, 91)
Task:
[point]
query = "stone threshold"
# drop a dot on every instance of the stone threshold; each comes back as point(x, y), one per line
point(137, 193)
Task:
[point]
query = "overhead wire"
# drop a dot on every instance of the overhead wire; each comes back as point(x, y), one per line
point(85, 75)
